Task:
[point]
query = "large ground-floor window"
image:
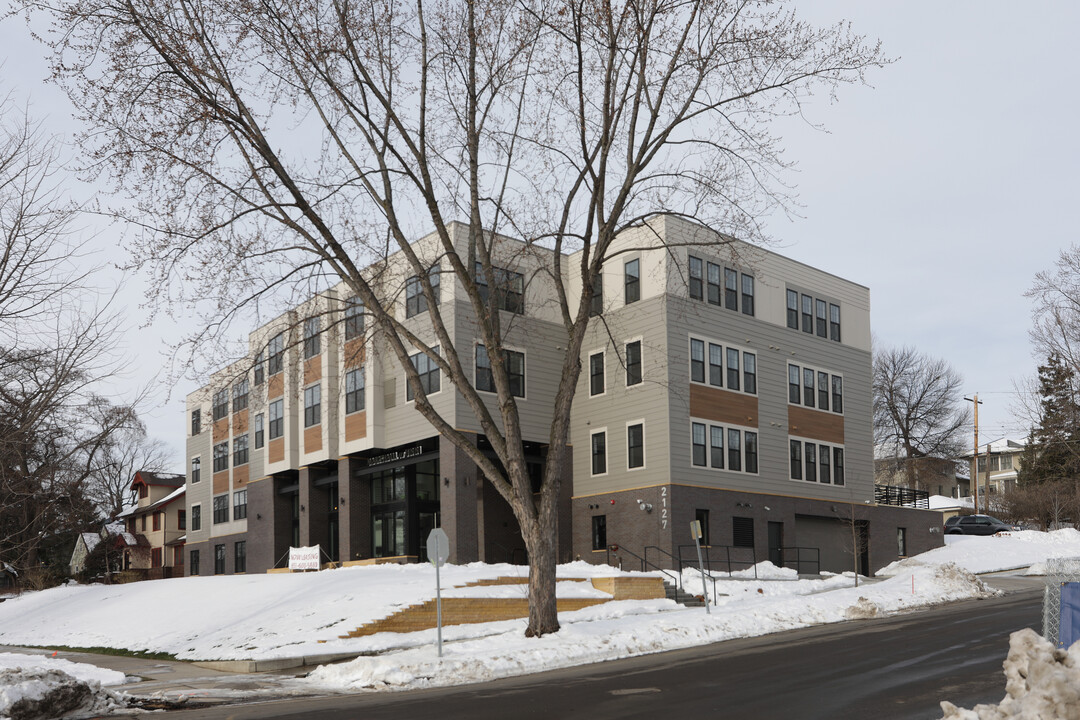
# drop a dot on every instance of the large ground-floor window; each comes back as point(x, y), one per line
point(404, 508)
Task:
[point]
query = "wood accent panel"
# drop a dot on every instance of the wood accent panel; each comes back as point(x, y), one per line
point(356, 426)
point(354, 353)
point(313, 439)
point(221, 482)
point(240, 422)
point(221, 430)
point(313, 370)
point(275, 450)
point(275, 386)
point(816, 424)
point(709, 403)
point(240, 475)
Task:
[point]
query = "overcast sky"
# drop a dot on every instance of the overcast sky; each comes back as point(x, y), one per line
point(944, 187)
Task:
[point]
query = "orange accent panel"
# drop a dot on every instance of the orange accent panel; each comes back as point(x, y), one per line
point(221, 482)
point(275, 450)
point(313, 439)
point(356, 425)
point(816, 424)
point(275, 386)
point(313, 370)
point(709, 403)
point(240, 475)
point(354, 353)
point(240, 422)
point(221, 429)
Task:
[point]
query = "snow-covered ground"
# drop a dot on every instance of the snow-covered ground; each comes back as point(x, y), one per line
point(273, 616)
point(43, 686)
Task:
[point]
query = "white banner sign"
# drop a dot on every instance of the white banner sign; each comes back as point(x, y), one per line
point(304, 558)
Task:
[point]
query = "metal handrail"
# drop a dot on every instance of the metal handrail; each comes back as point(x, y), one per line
point(616, 548)
point(706, 549)
point(798, 557)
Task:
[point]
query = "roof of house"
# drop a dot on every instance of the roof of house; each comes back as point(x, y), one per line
point(150, 478)
point(1001, 445)
point(132, 540)
point(90, 540)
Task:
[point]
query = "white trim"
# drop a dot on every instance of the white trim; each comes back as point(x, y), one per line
point(607, 466)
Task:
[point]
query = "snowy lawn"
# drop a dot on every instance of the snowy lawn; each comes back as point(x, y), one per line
point(42, 686)
point(1004, 551)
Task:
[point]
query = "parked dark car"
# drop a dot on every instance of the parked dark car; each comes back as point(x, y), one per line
point(976, 525)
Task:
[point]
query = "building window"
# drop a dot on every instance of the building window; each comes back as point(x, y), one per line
point(751, 451)
point(260, 369)
point(801, 389)
point(196, 469)
point(221, 456)
point(277, 423)
point(697, 360)
point(834, 322)
point(1006, 463)
point(822, 320)
point(193, 564)
point(794, 388)
point(796, 459)
point(633, 281)
point(837, 394)
point(750, 373)
point(260, 436)
point(838, 466)
point(240, 396)
point(824, 465)
point(702, 517)
point(596, 302)
point(221, 404)
point(181, 519)
point(810, 458)
point(221, 509)
point(742, 532)
point(354, 391)
point(196, 518)
point(599, 453)
point(219, 559)
point(807, 314)
point(428, 371)
point(995, 463)
point(515, 371)
point(793, 309)
point(716, 365)
point(354, 318)
point(696, 278)
point(716, 447)
point(312, 405)
point(734, 450)
point(714, 284)
point(142, 526)
point(596, 374)
point(599, 532)
point(747, 294)
point(731, 289)
point(157, 522)
point(312, 345)
point(239, 505)
point(509, 288)
point(732, 369)
point(240, 556)
point(275, 351)
point(633, 363)
point(808, 387)
point(823, 390)
point(415, 302)
point(196, 422)
point(697, 453)
point(240, 450)
point(635, 446)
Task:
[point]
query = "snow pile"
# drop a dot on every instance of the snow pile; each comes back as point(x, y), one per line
point(993, 553)
point(628, 628)
point(1041, 683)
point(33, 686)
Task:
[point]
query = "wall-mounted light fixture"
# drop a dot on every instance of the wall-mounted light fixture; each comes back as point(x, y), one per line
point(301, 508)
point(342, 499)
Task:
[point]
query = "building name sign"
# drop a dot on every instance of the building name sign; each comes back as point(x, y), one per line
point(396, 456)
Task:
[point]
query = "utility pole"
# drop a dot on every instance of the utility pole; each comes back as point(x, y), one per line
point(975, 462)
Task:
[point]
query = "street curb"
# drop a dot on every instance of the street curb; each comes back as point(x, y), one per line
point(253, 666)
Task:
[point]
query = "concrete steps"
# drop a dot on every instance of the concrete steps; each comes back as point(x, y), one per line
point(682, 597)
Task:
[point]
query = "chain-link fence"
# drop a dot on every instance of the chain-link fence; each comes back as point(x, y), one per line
point(1058, 572)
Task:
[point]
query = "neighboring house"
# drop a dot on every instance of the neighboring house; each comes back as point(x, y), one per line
point(154, 528)
point(998, 465)
point(84, 545)
point(936, 476)
point(728, 385)
point(9, 577)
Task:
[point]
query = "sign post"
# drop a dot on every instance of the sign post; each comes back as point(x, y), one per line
point(438, 550)
point(695, 530)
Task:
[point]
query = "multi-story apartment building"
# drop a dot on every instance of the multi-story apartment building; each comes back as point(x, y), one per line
point(721, 382)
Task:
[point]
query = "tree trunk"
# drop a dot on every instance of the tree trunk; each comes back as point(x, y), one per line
point(543, 611)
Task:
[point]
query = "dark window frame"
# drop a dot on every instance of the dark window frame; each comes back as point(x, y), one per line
point(696, 276)
point(731, 289)
point(598, 452)
point(698, 447)
point(428, 370)
point(240, 450)
point(275, 354)
point(355, 386)
point(260, 431)
point(221, 456)
point(313, 405)
point(632, 281)
point(240, 503)
point(312, 337)
point(196, 421)
point(634, 372)
point(748, 294)
point(596, 374)
point(599, 532)
point(196, 469)
point(276, 417)
point(635, 446)
point(221, 509)
point(353, 318)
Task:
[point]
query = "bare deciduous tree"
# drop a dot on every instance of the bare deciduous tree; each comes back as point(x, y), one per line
point(917, 409)
point(280, 146)
point(1055, 296)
